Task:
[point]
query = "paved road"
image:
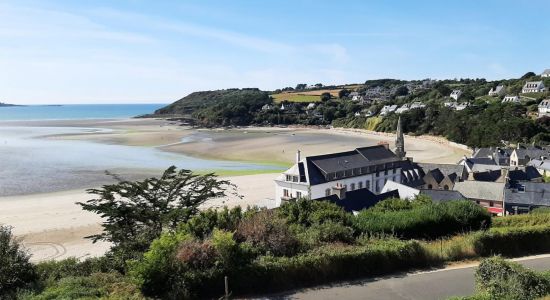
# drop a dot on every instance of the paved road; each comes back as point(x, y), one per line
point(438, 284)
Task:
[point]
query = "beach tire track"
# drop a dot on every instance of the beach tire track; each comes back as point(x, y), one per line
point(57, 250)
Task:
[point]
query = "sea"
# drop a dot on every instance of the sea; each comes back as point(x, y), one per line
point(75, 112)
point(32, 162)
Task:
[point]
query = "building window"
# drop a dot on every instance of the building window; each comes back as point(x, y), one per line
point(491, 203)
point(285, 193)
point(394, 171)
point(298, 195)
point(377, 186)
point(367, 184)
point(295, 178)
point(288, 178)
point(430, 186)
point(446, 187)
point(352, 186)
point(377, 173)
point(386, 172)
point(360, 184)
point(327, 192)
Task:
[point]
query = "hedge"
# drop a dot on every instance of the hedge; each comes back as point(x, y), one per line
point(426, 221)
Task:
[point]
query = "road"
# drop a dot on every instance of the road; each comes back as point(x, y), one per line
point(437, 284)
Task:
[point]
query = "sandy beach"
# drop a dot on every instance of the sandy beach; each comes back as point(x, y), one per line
point(52, 226)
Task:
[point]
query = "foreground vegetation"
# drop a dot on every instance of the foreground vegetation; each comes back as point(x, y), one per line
point(165, 247)
point(497, 278)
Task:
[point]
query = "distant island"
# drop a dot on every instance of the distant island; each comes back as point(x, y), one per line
point(2, 104)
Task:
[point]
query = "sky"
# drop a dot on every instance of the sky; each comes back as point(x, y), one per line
point(141, 51)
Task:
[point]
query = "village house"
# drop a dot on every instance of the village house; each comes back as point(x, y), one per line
point(542, 166)
point(526, 196)
point(405, 107)
point(500, 156)
point(521, 156)
point(544, 108)
point(533, 87)
point(511, 99)
point(455, 94)
point(388, 109)
point(267, 107)
point(545, 73)
point(417, 105)
point(499, 90)
point(340, 174)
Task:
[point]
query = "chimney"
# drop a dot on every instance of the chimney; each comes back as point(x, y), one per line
point(298, 158)
point(504, 175)
point(340, 191)
point(385, 144)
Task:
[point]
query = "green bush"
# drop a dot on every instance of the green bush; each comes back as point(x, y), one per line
point(514, 241)
point(51, 271)
point(268, 233)
point(309, 212)
point(501, 279)
point(202, 225)
point(95, 286)
point(16, 271)
point(536, 217)
point(424, 221)
point(325, 264)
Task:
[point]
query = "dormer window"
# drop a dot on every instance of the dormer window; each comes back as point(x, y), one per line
point(288, 178)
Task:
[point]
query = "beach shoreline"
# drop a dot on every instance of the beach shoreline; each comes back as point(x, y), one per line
point(53, 226)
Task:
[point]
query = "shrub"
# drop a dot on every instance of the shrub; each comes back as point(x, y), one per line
point(51, 271)
point(309, 212)
point(501, 279)
point(97, 285)
point(267, 232)
point(15, 269)
point(424, 221)
point(326, 233)
point(514, 241)
point(536, 217)
point(202, 225)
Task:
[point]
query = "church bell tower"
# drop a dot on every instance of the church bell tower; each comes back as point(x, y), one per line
point(400, 141)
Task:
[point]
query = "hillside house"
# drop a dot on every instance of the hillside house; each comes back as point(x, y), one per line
point(544, 108)
point(388, 109)
point(545, 73)
point(455, 94)
point(511, 99)
point(497, 91)
point(405, 107)
point(533, 87)
point(267, 107)
point(417, 105)
point(541, 165)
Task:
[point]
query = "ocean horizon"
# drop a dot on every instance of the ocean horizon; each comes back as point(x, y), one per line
point(75, 111)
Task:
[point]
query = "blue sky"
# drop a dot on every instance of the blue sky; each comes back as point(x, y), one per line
point(158, 51)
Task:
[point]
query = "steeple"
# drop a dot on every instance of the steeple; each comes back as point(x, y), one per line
point(400, 141)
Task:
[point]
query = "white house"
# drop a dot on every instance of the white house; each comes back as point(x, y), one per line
point(388, 109)
point(405, 192)
point(545, 73)
point(499, 90)
point(455, 94)
point(533, 87)
point(544, 108)
point(310, 106)
point(417, 104)
point(511, 99)
point(403, 108)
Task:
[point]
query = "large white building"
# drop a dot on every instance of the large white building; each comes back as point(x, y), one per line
point(544, 108)
point(533, 87)
point(455, 94)
point(321, 176)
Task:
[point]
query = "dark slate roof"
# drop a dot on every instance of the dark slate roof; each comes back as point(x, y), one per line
point(487, 175)
point(482, 161)
point(531, 152)
point(527, 174)
point(361, 199)
point(443, 195)
point(437, 175)
point(321, 165)
point(413, 173)
point(446, 169)
point(536, 193)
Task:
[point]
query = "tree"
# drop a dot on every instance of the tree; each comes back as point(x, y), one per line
point(401, 91)
point(15, 269)
point(136, 213)
point(301, 86)
point(326, 97)
point(343, 93)
point(528, 75)
point(318, 85)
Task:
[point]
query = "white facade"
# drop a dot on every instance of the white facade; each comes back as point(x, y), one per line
point(456, 94)
point(405, 192)
point(511, 99)
point(544, 108)
point(533, 87)
point(288, 185)
point(388, 109)
point(545, 73)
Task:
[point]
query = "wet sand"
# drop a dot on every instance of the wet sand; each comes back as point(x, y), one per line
point(54, 227)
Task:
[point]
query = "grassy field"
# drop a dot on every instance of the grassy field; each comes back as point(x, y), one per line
point(296, 97)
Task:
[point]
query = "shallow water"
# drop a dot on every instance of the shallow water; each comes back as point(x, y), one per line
point(31, 164)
